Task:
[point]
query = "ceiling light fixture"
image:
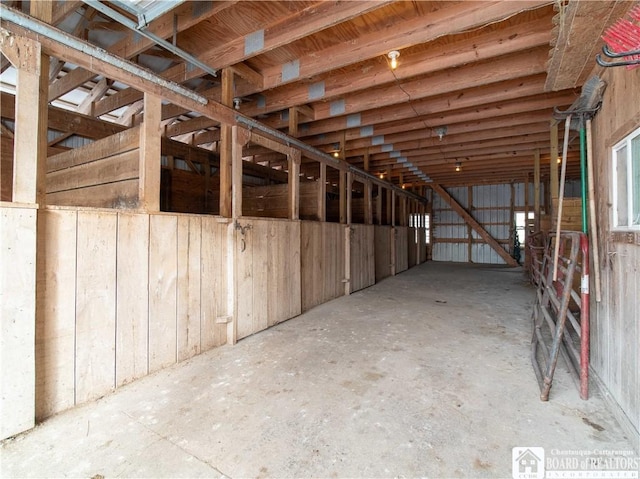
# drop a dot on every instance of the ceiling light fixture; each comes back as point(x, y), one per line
point(393, 56)
point(458, 166)
point(440, 131)
point(236, 102)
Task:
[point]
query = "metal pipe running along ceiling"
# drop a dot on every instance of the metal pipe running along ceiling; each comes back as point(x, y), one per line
point(141, 29)
point(8, 14)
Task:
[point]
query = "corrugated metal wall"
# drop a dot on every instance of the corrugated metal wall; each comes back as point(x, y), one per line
point(492, 207)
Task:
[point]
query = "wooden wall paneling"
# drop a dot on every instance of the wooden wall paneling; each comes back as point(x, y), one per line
point(362, 257)
point(382, 238)
point(18, 312)
point(117, 167)
point(412, 247)
point(334, 249)
point(244, 279)
point(189, 286)
point(214, 280)
point(120, 195)
point(294, 275)
point(132, 312)
point(163, 275)
point(312, 263)
point(56, 312)
point(95, 304)
point(267, 261)
point(402, 253)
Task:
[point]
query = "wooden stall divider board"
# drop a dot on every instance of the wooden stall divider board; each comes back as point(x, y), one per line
point(382, 238)
point(95, 304)
point(56, 312)
point(132, 313)
point(163, 258)
point(214, 286)
point(17, 337)
point(188, 299)
point(362, 258)
point(402, 253)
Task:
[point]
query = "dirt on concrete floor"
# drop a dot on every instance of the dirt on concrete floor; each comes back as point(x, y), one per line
point(424, 374)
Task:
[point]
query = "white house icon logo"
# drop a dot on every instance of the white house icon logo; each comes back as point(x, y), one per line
point(528, 462)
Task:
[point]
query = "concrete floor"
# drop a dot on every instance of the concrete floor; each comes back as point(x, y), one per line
point(424, 374)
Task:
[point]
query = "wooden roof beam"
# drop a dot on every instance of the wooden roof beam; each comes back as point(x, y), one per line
point(377, 73)
point(187, 14)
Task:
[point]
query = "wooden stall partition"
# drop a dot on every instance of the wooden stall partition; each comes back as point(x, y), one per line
point(272, 201)
point(56, 308)
point(123, 294)
point(95, 306)
point(422, 246)
point(383, 253)
point(189, 286)
point(362, 257)
point(322, 262)
point(163, 280)
point(18, 312)
point(132, 310)
point(216, 274)
point(104, 173)
point(268, 273)
point(402, 253)
point(412, 247)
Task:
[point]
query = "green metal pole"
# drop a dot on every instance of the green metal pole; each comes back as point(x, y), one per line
point(583, 175)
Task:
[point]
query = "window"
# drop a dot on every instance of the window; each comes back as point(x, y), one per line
point(626, 182)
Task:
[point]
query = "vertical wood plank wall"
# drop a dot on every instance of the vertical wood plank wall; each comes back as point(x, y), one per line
point(402, 248)
point(362, 257)
point(122, 294)
point(321, 262)
point(268, 285)
point(615, 322)
point(17, 310)
point(383, 251)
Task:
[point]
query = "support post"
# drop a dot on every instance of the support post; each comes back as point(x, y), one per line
point(29, 156)
point(294, 185)
point(342, 185)
point(536, 189)
point(349, 196)
point(368, 206)
point(226, 147)
point(150, 151)
point(553, 166)
point(236, 172)
point(322, 193)
point(293, 122)
point(379, 204)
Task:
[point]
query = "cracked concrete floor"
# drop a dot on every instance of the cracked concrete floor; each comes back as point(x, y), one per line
point(425, 374)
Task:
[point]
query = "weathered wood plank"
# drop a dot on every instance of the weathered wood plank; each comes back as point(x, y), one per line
point(125, 141)
point(382, 235)
point(120, 195)
point(163, 274)
point(215, 274)
point(95, 304)
point(17, 308)
point(56, 307)
point(116, 168)
point(189, 285)
point(362, 257)
point(132, 313)
point(402, 250)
